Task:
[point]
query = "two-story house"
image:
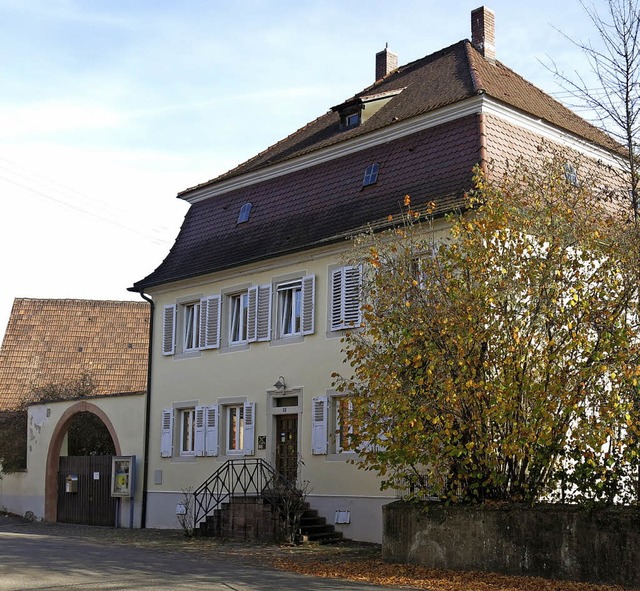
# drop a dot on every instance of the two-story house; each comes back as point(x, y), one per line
point(252, 300)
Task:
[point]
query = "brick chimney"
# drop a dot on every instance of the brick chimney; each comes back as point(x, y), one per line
point(483, 32)
point(386, 62)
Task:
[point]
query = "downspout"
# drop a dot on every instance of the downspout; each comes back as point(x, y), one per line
point(147, 418)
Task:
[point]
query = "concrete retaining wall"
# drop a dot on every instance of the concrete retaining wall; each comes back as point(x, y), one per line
point(553, 541)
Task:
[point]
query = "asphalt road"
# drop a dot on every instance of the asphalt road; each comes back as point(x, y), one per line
point(30, 558)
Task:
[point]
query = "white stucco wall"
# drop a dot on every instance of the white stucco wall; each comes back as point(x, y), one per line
point(25, 491)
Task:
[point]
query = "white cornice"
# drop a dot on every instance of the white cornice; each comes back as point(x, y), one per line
point(548, 131)
point(477, 104)
point(381, 136)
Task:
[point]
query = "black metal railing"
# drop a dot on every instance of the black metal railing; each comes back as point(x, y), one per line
point(240, 479)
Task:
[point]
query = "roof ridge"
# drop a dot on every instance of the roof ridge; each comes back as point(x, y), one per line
point(97, 301)
point(473, 69)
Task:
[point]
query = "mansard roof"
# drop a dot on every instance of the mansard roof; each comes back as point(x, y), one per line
point(314, 204)
point(52, 341)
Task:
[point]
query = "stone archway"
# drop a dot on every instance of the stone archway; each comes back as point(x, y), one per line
point(55, 445)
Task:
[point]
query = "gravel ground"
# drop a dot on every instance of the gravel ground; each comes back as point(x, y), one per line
point(353, 561)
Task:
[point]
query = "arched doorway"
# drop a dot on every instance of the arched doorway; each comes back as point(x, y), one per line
point(87, 431)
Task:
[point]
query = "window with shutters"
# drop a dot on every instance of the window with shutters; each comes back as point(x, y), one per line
point(295, 307)
point(238, 429)
point(344, 298)
point(197, 321)
point(196, 430)
point(331, 426)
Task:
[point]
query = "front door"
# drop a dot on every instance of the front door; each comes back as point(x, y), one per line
point(287, 446)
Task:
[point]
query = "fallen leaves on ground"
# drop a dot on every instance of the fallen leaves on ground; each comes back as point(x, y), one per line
point(369, 567)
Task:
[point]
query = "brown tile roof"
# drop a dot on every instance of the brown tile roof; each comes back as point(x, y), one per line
point(54, 341)
point(319, 204)
point(308, 207)
point(443, 78)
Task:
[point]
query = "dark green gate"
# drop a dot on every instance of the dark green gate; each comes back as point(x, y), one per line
point(92, 503)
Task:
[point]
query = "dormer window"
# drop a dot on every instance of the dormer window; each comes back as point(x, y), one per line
point(371, 174)
point(358, 110)
point(245, 212)
point(352, 120)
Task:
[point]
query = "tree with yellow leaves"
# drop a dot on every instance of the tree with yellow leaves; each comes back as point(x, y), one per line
point(502, 363)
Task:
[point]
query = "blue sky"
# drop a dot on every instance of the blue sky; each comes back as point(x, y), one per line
point(109, 108)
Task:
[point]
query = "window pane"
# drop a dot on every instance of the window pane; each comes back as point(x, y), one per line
point(187, 438)
point(191, 326)
point(239, 313)
point(235, 428)
point(290, 298)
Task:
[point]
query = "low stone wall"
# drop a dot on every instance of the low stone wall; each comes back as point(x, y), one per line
point(553, 541)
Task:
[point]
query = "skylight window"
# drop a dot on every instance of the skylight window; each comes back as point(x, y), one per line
point(371, 174)
point(571, 174)
point(245, 212)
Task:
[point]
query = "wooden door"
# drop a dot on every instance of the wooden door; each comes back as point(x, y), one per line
point(92, 504)
point(287, 446)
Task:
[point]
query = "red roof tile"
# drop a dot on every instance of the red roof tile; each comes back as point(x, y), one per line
point(50, 341)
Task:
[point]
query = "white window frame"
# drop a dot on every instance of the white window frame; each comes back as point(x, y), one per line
point(336, 419)
point(371, 174)
point(244, 438)
point(289, 308)
point(234, 412)
point(191, 320)
point(187, 431)
point(238, 317)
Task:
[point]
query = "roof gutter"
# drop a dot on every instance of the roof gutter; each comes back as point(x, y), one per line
point(147, 418)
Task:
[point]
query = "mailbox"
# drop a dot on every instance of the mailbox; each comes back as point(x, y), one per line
point(71, 484)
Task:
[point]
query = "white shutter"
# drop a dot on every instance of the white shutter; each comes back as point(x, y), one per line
point(210, 322)
point(166, 439)
point(199, 430)
point(211, 430)
point(308, 304)
point(336, 298)
point(249, 427)
point(259, 313)
point(319, 426)
point(351, 297)
point(345, 297)
point(252, 314)
point(263, 320)
point(168, 329)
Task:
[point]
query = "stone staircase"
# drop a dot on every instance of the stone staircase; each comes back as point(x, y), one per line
point(253, 518)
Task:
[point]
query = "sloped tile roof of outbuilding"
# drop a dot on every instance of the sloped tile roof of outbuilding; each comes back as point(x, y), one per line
point(53, 341)
point(324, 202)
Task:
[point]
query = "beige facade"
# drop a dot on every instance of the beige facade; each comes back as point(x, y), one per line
point(236, 374)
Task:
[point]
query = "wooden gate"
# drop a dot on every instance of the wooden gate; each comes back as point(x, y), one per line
point(92, 504)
